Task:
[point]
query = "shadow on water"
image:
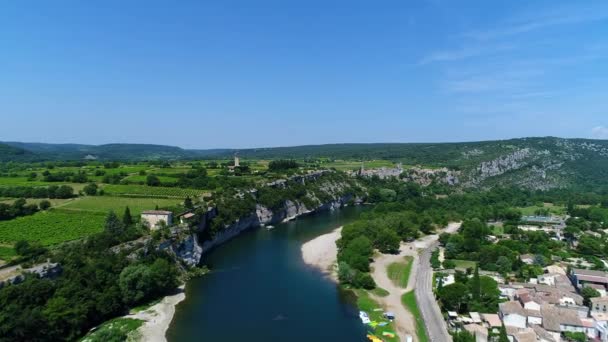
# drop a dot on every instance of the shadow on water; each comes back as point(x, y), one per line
point(259, 289)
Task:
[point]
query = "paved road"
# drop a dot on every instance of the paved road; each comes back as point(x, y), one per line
point(433, 320)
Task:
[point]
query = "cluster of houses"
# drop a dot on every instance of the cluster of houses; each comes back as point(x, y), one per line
point(545, 308)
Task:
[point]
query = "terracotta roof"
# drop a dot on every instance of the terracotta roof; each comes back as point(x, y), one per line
point(492, 319)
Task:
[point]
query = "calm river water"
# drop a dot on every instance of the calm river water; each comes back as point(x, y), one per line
point(261, 290)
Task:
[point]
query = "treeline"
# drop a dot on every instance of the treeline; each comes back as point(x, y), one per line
point(53, 191)
point(96, 284)
point(282, 165)
point(20, 208)
point(64, 176)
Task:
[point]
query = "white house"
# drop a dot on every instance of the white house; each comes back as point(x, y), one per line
point(155, 218)
point(599, 304)
point(513, 314)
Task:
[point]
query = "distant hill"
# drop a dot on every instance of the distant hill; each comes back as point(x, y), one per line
point(9, 153)
point(538, 163)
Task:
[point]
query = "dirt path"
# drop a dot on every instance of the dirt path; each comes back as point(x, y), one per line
point(404, 321)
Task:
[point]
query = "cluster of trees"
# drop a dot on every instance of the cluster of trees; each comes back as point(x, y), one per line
point(64, 176)
point(96, 285)
point(472, 243)
point(20, 208)
point(91, 189)
point(114, 178)
point(476, 293)
point(280, 165)
point(53, 191)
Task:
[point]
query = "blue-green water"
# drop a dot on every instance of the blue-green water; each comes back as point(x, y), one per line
point(260, 290)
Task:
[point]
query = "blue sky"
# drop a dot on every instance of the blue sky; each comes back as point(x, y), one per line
point(202, 74)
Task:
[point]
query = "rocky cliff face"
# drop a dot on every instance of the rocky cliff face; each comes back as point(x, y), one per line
point(265, 216)
point(425, 177)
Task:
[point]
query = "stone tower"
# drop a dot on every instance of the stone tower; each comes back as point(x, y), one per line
point(236, 160)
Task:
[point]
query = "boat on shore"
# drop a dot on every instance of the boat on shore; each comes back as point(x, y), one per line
point(364, 317)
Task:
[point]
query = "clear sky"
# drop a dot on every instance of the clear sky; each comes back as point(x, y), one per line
point(206, 74)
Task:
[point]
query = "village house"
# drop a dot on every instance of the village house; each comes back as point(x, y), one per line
point(599, 304)
point(582, 276)
point(156, 218)
point(513, 314)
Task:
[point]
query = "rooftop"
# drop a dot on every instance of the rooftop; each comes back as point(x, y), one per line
point(511, 307)
point(492, 319)
point(156, 212)
point(591, 273)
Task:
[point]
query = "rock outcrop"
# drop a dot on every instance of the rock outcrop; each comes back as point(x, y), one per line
point(265, 216)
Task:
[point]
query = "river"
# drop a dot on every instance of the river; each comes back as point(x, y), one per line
point(259, 289)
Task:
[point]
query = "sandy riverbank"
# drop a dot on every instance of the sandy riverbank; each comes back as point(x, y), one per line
point(158, 317)
point(322, 253)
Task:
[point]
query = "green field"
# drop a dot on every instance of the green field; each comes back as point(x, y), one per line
point(51, 227)
point(142, 179)
point(554, 209)
point(399, 272)
point(464, 263)
point(409, 301)
point(103, 204)
point(150, 191)
point(367, 304)
point(7, 253)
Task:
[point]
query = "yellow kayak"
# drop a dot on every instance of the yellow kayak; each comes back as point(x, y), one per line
point(373, 338)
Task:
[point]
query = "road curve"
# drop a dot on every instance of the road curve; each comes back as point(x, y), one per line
point(436, 327)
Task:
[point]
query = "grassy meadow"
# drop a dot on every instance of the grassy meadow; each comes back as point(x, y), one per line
point(399, 272)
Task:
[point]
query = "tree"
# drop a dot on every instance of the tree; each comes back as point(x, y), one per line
point(152, 180)
point(44, 205)
point(502, 336)
point(453, 296)
point(127, 219)
point(387, 241)
point(346, 274)
point(364, 280)
point(135, 283)
point(476, 285)
point(22, 247)
point(90, 189)
point(504, 265)
point(113, 226)
point(463, 336)
point(188, 202)
point(64, 191)
point(444, 238)
point(588, 293)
